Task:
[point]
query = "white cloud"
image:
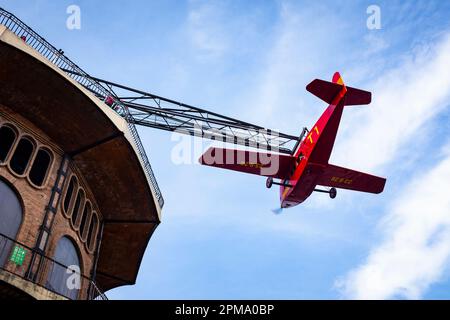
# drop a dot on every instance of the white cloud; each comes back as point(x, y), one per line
point(216, 33)
point(416, 246)
point(375, 44)
point(404, 100)
point(297, 53)
point(205, 30)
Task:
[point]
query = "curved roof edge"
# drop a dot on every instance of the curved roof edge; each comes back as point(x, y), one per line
point(139, 221)
point(12, 39)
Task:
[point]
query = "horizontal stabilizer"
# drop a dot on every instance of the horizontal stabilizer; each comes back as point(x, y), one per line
point(260, 163)
point(338, 177)
point(357, 97)
point(327, 91)
point(324, 90)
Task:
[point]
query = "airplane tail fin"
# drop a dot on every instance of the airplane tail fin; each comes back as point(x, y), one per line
point(329, 91)
point(337, 95)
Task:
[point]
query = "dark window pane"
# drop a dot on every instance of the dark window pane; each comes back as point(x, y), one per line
point(84, 219)
point(10, 219)
point(21, 156)
point(92, 231)
point(76, 207)
point(7, 138)
point(69, 194)
point(59, 276)
point(40, 167)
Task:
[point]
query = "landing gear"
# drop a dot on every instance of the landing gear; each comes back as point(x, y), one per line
point(332, 192)
point(270, 182)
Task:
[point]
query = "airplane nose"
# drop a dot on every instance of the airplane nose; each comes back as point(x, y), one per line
point(285, 205)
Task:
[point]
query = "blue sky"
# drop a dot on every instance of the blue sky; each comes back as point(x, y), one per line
point(252, 60)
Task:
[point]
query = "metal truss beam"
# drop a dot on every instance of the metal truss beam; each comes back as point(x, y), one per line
point(149, 110)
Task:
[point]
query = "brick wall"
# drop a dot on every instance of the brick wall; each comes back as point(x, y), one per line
point(35, 199)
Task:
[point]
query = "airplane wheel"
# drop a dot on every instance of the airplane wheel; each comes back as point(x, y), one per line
point(333, 193)
point(269, 183)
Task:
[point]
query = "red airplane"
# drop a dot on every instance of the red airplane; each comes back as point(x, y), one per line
point(308, 165)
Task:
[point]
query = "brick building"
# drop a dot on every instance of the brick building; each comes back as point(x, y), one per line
point(78, 199)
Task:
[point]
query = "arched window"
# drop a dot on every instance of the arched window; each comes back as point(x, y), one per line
point(69, 194)
point(7, 139)
point(92, 235)
point(84, 220)
point(77, 207)
point(40, 167)
point(21, 157)
point(10, 219)
point(62, 277)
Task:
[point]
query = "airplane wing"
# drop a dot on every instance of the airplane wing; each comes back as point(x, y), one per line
point(338, 177)
point(260, 163)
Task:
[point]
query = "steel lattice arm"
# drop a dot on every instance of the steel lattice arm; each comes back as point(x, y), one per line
point(146, 109)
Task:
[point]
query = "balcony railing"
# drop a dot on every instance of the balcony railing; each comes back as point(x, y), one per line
point(58, 58)
point(66, 281)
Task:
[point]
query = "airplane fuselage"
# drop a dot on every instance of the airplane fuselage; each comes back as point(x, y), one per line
point(309, 163)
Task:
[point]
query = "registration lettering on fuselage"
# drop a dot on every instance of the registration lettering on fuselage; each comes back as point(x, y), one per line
point(341, 180)
point(251, 165)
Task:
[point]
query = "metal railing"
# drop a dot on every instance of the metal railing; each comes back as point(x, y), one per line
point(66, 281)
point(58, 58)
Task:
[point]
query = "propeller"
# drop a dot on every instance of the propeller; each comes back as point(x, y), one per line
point(277, 211)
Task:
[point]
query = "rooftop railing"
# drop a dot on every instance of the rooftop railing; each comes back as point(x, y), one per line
point(65, 281)
point(57, 57)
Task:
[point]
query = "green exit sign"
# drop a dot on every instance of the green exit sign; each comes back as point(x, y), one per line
point(18, 255)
